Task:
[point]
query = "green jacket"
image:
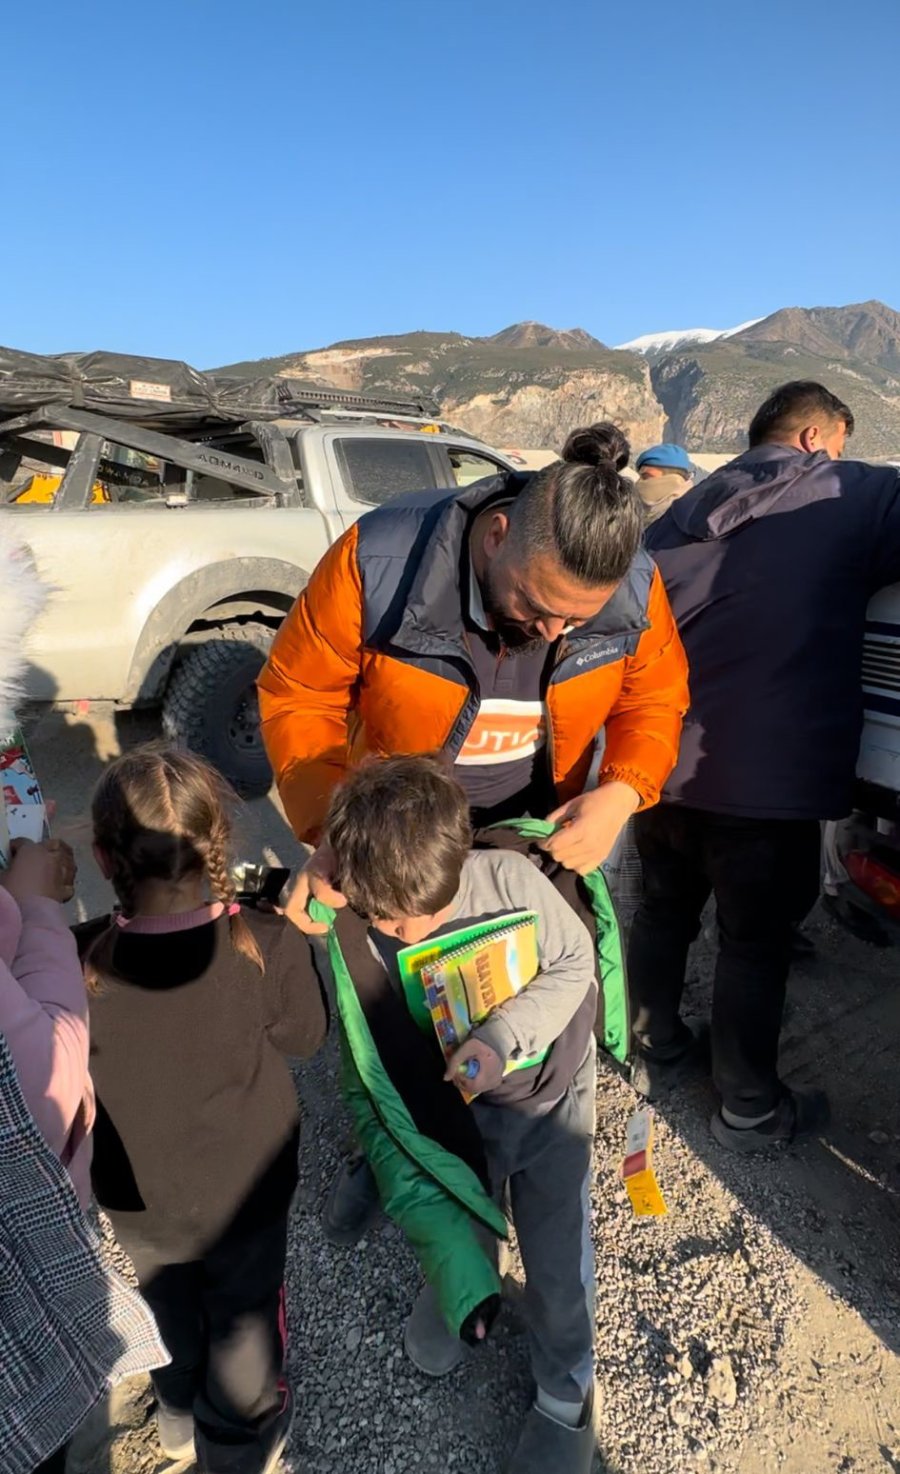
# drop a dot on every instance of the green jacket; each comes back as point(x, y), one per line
point(436, 1198)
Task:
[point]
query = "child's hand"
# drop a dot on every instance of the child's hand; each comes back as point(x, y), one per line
point(463, 1075)
point(47, 869)
point(478, 1322)
point(314, 880)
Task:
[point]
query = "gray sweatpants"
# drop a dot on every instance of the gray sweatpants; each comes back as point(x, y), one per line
point(545, 1164)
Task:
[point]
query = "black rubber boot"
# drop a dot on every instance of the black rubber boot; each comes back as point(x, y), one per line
point(352, 1205)
point(653, 1078)
point(548, 1447)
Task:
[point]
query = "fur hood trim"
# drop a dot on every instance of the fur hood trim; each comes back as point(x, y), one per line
point(22, 597)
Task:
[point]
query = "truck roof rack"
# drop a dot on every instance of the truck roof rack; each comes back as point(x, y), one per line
point(313, 400)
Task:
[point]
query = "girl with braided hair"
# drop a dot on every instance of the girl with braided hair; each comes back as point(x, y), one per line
point(195, 1005)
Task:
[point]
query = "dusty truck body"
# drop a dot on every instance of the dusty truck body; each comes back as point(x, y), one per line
point(171, 585)
point(868, 842)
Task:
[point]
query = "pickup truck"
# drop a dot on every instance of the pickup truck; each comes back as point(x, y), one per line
point(175, 556)
point(867, 843)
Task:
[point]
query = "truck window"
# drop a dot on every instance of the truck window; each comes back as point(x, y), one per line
point(32, 476)
point(203, 487)
point(468, 466)
point(375, 470)
point(129, 476)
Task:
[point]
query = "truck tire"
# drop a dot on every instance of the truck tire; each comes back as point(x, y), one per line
point(211, 705)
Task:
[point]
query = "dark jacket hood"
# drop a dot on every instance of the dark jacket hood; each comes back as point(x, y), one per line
point(769, 565)
point(756, 484)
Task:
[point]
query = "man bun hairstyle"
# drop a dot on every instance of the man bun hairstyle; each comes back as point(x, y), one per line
point(791, 407)
point(595, 444)
point(582, 510)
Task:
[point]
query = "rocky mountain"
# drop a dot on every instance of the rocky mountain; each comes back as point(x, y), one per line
point(867, 333)
point(710, 391)
point(529, 385)
point(536, 335)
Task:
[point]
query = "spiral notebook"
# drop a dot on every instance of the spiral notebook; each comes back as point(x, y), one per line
point(453, 983)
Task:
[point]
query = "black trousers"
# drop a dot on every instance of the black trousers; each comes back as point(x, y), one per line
point(56, 1464)
point(763, 874)
point(222, 1320)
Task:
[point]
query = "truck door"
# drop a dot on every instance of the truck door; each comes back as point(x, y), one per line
point(462, 465)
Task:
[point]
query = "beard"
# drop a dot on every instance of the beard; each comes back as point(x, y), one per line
point(517, 639)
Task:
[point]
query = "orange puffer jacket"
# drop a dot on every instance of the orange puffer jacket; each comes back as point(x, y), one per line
point(371, 659)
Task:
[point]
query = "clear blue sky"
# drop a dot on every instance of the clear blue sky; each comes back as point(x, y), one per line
point(222, 179)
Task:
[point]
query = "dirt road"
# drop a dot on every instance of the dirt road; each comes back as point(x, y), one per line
point(754, 1329)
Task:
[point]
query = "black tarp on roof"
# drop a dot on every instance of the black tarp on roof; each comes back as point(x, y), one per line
point(162, 391)
point(129, 387)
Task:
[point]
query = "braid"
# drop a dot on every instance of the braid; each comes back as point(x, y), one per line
point(97, 963)
point(124, 883)
point(222, 889)
point(218, 872)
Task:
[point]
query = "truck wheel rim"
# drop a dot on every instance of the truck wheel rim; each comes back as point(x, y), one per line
point(243, 729)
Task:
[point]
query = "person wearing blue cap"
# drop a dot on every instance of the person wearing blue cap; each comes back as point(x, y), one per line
point(664, 473)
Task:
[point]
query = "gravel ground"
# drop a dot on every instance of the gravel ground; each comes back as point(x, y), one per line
point(754, 1329)
point(681, 1326)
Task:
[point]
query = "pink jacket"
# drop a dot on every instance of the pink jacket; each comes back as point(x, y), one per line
point(44, 1018)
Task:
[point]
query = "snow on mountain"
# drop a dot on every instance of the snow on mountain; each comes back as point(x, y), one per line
point(652, 345)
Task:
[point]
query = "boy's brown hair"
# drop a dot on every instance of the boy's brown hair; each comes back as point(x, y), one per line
point(400, 831)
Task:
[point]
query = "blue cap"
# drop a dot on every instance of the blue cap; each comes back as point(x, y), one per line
point(668, 457)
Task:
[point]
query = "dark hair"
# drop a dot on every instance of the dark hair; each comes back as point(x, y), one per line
point(791, 407)
point(400, 831)
point(583, 509)
point(163, 814)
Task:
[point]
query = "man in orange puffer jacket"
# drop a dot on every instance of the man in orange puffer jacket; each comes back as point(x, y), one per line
point(506, 625)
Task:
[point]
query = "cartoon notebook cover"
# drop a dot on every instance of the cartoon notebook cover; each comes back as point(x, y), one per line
point(23, 814)
point(470, 981)
point(463, 987)
point(411, 960)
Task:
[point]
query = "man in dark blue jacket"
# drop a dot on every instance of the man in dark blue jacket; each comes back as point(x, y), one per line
point(769, 565)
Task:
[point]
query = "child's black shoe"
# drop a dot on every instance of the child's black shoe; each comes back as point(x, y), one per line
point(352, 1205)
point(430, 1346)
point(546, 1445)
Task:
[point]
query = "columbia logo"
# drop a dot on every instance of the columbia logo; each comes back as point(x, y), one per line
point(601, 654)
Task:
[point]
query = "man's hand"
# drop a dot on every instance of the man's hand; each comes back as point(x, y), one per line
point(590, 825)
point(314, 880)
point(490, 1068)
point(47, 869)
